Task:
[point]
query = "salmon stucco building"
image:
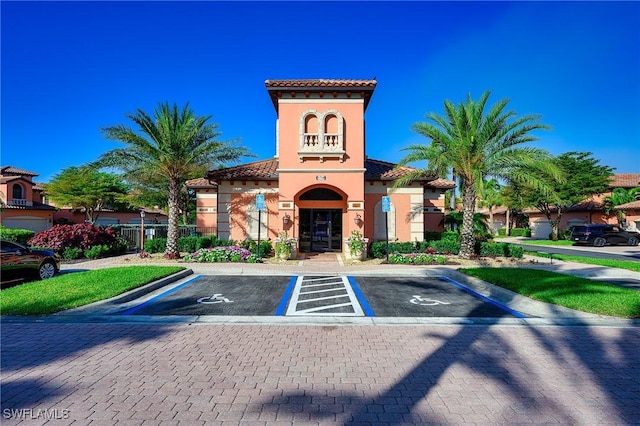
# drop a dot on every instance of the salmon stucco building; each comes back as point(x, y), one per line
point(320, 186)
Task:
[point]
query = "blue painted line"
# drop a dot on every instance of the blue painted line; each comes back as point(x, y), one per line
point(486, 299)
point(158, 297)
point(286, 296)
point(363, 302)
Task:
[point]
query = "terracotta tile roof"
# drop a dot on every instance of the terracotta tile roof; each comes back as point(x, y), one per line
point(268, 170)
point(35, 206)
point(200, 183)
point(383, 170)
point(10, 170)
point(277, 87)
point(625, 180)
point(320, 83)
point(5, 179)
point(634, 205)
point(441, 184)
point(584, 206)
point(259, 170)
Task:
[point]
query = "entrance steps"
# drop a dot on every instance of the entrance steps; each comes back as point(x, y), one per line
point(322, 260)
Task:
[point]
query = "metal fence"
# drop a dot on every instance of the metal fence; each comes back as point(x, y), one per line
point(133, 233)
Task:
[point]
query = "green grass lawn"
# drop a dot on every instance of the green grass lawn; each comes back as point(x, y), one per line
point(564, 290)
point(548, 243)
point(77, 289)
point(630, 265)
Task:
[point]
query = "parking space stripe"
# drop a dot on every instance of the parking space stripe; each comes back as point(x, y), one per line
point(159, 296)
point(363, 301)
point(280, 311)
point(484, 298)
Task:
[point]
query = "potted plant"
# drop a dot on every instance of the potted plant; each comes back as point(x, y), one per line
point(284, 246)
point(357, 245)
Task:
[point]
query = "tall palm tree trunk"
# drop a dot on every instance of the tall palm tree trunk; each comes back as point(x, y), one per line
point(173, 249)
point(467, 239)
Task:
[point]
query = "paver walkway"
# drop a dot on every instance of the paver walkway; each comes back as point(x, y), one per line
point(154, 374)
point(158, 373)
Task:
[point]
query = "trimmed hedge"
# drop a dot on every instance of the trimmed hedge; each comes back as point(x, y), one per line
point(20, 236)
point(500, 250)
point(193, 244)
point(446, 246)
point(515, 232)
point(521, 232)
point(252, 245)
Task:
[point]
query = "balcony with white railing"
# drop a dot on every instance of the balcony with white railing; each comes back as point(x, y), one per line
point(314, 145)
point(19, 202)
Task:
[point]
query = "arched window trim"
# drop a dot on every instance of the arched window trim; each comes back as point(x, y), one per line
point(17, 192)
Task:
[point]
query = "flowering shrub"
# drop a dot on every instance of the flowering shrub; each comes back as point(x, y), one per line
point(222, 254)
point(81, 236)
point(417, 259)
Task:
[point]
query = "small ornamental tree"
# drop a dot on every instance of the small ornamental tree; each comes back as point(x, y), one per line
point(87, 189)
point(584, 178)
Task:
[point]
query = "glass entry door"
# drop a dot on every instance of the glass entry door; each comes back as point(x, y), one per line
point(320, 230)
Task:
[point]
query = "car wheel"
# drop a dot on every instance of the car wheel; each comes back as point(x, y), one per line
point(599, 242)
point(633, 241)
point(47, 270)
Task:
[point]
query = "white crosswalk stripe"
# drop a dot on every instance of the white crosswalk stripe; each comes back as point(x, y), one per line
point(331, 296)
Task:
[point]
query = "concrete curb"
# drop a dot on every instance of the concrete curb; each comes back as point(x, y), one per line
point(128, 296)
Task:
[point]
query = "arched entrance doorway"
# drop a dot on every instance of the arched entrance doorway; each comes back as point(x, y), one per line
point(320, 220)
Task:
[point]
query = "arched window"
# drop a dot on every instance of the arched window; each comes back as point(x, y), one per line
point(379, 231)
point(321, 135)
point(18, 192)
point(309, 131)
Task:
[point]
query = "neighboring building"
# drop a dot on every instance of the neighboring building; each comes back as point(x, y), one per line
point(588, 211)
point(632, 214)
point(320, 186)
point(23, 203)
point(24, 206)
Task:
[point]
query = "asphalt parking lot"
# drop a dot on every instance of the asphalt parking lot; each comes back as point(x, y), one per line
point(319, 295)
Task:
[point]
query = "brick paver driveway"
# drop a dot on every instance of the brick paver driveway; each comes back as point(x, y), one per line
point(332, 374)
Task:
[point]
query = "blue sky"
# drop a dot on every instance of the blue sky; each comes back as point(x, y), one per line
point(72, 68)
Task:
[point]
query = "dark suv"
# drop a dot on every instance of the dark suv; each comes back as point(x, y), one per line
point(19, 263)
point(601, 234)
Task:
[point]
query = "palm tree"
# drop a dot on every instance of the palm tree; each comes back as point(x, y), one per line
point(618, 197)
point(478, 145)
point(491, 197)
point(172, 144)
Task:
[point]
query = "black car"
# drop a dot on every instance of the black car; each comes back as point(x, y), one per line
point(20, 263)
point(600, 234)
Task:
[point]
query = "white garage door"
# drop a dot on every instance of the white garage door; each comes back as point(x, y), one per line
point(541, 229)
point(106, 221)
point(35, 224)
